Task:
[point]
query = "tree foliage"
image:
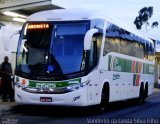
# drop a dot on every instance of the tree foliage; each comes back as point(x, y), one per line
point(155, 24)
point(144, 15)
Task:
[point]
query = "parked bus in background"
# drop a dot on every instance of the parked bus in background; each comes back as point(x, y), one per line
point(81, 58)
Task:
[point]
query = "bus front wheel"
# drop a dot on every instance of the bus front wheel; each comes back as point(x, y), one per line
point(104, 99)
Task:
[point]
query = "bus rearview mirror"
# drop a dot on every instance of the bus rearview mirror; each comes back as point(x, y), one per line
point(88, 38)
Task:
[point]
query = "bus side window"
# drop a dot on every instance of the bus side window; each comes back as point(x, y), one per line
point(129, 48)
point(138, 50)
point(122, 49)
point(115, 44)
point(95, 51)
point(107, 46)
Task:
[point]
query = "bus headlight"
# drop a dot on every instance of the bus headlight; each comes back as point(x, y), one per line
point(21, 82)
point(78, 85)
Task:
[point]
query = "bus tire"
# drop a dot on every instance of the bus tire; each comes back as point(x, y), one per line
point(141, 94)
point(146, 90)
point(104, 99)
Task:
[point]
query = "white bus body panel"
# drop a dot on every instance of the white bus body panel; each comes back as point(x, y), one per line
point(66, 99)
point(122, 88)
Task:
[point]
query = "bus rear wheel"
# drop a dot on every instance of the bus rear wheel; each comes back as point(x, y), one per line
point(146, 91)
point(141, 97)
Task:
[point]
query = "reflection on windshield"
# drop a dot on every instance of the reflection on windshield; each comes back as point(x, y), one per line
point(56, 49)
point(67, 47)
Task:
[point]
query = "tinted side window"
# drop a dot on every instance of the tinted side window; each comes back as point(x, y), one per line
point(124, 47)
point(111, 45)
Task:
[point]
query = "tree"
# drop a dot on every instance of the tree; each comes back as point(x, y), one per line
point(144, 15)
point(154, 24)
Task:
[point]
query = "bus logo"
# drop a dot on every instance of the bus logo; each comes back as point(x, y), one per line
point(114, 64)
point(50, 68)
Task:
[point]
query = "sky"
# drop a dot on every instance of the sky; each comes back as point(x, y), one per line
point(123, 10)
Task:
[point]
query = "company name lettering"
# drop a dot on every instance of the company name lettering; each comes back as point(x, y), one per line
point(45, 85)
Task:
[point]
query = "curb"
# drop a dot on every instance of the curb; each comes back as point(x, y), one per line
point(156, 90)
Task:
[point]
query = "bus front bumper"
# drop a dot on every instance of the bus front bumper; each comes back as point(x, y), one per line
point(74, 98)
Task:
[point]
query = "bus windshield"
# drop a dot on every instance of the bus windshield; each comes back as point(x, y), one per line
point(51, 48)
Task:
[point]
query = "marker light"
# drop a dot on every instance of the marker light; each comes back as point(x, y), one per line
point(38, 26)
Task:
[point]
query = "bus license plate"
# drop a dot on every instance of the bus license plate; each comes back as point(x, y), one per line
point(45, 99)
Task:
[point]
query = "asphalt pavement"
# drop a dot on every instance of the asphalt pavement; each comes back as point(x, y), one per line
point(122, 112)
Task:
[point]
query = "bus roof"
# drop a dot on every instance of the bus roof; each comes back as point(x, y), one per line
point(62, 15)
point(82, 14)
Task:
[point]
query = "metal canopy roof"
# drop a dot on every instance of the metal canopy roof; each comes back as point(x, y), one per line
point(30, 10)
point(24, 7)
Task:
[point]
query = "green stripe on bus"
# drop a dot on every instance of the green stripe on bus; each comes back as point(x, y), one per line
point(57, 83)
point(125, 65)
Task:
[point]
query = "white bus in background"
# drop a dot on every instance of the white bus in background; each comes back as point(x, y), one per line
point(81, 58)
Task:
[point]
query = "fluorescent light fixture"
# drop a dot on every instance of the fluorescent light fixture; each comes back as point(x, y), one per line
point(19, 19)
point(13, 14)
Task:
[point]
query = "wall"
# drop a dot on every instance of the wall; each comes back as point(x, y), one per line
point(8, 46)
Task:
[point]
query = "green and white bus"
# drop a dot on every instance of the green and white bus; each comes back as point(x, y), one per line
point(81, 58)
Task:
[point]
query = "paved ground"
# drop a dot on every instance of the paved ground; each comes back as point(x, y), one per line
point(124, 112)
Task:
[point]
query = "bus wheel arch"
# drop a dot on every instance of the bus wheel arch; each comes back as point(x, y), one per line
point(105, 92)
point(104, 100)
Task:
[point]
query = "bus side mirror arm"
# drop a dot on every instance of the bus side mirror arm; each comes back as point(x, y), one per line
point(15, 33)
point(88, 38)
